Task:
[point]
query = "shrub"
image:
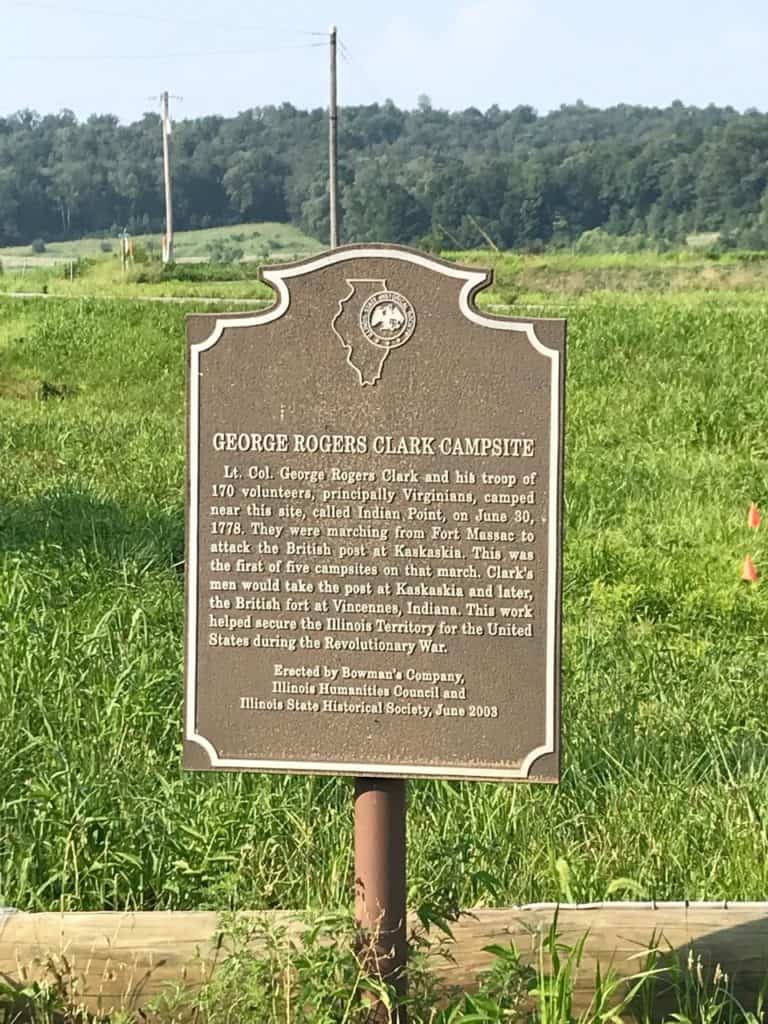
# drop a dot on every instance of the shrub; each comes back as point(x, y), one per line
point(38, 246)
point(197, 272)
point(598, 241)
point(432, 242)
point(141, 254)
point(223, 251)
point(105, 246)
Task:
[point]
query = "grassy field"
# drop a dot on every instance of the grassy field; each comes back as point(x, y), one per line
point(104, 278)
point(255, 240)
point(666, 661)
point(540, 281)
point(542, 278)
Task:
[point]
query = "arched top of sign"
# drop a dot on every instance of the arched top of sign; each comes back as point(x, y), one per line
point(474, 280)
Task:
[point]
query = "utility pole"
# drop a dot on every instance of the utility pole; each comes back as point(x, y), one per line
point(332, 146)
point(168, 238)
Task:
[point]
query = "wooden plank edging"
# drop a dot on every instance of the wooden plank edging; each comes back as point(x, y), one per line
point(121, 960)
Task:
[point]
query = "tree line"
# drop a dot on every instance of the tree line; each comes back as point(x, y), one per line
point(441, 179)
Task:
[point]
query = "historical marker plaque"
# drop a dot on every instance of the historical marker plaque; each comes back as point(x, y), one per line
point(374, 521)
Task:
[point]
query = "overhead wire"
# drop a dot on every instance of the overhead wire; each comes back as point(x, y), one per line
point(140, 16)
point(32, 5)
point(137, 15)
point(158, 56)
point(357, 67)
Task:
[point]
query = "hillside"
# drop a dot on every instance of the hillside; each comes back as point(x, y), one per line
point(240, 241)
point(435, 177)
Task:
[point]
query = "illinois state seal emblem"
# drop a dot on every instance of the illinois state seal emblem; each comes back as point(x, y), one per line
point(371, 321)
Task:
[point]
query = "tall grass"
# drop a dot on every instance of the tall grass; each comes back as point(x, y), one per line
point(665, 670)
point(548, 279)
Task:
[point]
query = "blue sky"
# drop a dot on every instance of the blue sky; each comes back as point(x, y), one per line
point(226, 56)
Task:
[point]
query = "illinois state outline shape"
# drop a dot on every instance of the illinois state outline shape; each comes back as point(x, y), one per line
point(368, 342)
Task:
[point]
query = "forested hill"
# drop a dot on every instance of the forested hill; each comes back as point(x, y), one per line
point(427, 176)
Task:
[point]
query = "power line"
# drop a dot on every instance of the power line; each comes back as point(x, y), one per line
point(158, 56)
point(138, 16)
point(358, 67)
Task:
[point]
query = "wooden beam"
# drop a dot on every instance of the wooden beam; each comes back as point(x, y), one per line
point(121, 960)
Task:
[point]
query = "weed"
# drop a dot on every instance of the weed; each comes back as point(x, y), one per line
point(310, 973)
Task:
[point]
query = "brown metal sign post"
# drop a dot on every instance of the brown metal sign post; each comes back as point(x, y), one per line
point(380, 880)
point(374, 542)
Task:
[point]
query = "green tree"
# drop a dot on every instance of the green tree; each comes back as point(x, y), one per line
point(254, 184)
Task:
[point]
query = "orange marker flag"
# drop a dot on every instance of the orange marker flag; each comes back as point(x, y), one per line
point(754, 518)
point(748, 571)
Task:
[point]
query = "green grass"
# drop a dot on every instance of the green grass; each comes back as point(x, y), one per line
point(105, 278)
point(551, 278)
point(665, 654)
point(283, 240)
point(565, 275)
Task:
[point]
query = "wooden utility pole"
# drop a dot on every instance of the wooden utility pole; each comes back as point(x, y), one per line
point(168, 238)
point(332, 146)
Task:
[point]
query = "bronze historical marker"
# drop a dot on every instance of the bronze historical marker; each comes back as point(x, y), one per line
point(373, 536)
